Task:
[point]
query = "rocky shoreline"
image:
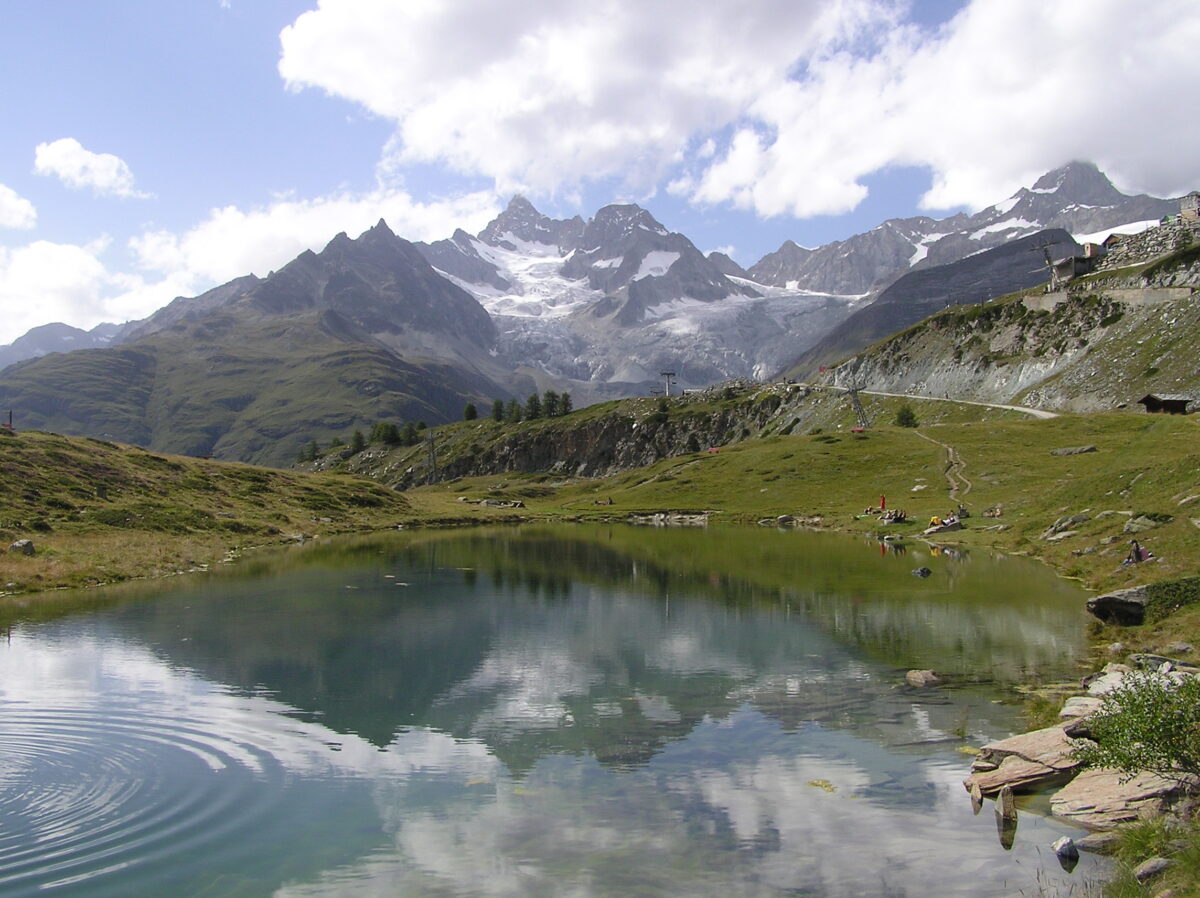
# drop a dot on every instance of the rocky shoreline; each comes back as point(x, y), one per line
point(1098, 799)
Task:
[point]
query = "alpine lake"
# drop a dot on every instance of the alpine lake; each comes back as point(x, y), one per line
point(577, 710)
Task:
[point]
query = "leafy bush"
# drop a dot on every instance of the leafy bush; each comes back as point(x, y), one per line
point(1167, 597)
point(906, 417)
point(1148, 723)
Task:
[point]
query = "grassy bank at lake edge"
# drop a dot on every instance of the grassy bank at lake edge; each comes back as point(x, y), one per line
point(98, 512)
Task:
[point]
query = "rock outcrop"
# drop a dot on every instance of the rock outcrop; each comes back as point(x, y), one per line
point(1103, 799)
point(1126, 607)
point(1025, 762)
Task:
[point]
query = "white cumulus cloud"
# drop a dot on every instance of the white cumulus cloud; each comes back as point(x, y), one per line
point(16, 211)
point(43, 282)
point(779, 106)
point(77, 167)
point(231, 242)
point(541, 95)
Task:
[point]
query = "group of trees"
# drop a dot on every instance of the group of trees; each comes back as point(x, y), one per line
point(385, 433)
point(550, 404)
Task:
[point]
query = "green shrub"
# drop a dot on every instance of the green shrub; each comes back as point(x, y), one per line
point(1148, 723)
point(1165, 598)
point(906, 417)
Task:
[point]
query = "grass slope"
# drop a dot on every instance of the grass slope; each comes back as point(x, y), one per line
point(99, 512)
point(236, 389)
point(1141, 464)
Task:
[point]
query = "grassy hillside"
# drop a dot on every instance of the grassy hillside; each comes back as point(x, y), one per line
point(1142, 464)
point(89, 504)
point(233, 388)
point(99, 512)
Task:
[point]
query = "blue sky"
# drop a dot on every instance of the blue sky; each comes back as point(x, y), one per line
point(158, 149)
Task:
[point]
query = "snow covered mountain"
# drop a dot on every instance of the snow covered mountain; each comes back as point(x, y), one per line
point(612, 302)
point(603, 306)
point(1078, 198)
point(615, 301)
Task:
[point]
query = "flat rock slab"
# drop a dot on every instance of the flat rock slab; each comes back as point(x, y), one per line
point(1019, 774)
point(1027, 761)
point(1080, 706)
point(1098, 799)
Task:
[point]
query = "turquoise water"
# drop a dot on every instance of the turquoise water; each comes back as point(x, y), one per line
point(545, 711)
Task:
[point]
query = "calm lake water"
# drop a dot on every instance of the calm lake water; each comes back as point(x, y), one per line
point(583, 711)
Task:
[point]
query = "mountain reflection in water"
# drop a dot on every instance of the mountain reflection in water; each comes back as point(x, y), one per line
point(543, 711)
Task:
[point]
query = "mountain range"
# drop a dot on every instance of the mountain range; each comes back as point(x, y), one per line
point(378, 328)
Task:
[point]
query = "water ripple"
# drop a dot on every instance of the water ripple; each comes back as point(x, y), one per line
point(84, 792)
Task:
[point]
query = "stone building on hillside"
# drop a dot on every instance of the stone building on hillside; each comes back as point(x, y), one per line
point(1189, 207)
point(1168, 403)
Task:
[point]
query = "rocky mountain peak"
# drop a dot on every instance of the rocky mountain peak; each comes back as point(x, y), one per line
point(616, 227)
point(1082, 183)
point(378, 282)
point(521, 222)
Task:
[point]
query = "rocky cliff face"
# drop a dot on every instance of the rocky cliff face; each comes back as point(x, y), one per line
point(1102, 345)
point(629, 435)
point(1014, 266)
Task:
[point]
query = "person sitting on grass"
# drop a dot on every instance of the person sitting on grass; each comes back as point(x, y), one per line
point(1137, 553)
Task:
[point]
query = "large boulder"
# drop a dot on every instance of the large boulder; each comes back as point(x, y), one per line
point(1126, 607)
point(22, 547)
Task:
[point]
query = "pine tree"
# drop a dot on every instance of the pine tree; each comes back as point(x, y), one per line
point(533, 407)
point(564, 404)
point(497, 409)
point(409, 435)
point(385, 432)
point(470, 413)
point(512, 411)
point(550, 406)
point(310, 451)
point(358, 442)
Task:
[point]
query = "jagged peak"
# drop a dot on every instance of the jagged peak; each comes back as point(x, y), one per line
point(625, 217)
point(381, 227)
point(519, 203)
point(1082, 181)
